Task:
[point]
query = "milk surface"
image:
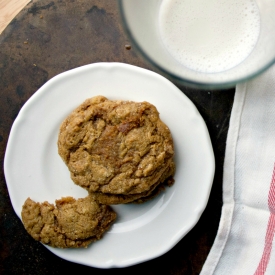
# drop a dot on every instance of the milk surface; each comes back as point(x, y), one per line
point(209, 35)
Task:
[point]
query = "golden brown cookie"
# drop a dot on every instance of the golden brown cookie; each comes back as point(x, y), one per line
point(120, 149)
point(72, 223)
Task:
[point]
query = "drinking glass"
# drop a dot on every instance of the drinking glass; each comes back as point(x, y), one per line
point(141, 21)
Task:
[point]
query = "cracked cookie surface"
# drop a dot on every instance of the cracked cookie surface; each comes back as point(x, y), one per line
point(116, 149)
point(70, 224)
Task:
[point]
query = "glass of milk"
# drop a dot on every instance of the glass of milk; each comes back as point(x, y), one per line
point(203, 43)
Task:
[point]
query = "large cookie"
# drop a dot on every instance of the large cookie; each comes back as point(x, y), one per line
point(72, 223)
point(117, 148)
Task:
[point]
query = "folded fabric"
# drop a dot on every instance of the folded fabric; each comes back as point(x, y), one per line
point(245, 240)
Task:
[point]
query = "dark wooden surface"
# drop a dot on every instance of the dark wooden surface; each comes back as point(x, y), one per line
point(50, 37)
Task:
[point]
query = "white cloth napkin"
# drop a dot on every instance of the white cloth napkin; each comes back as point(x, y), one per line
point(244, 242)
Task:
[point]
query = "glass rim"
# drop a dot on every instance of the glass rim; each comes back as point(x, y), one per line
point(182, 80)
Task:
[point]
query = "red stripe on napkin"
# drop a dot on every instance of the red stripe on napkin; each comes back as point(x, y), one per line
point(270, 229)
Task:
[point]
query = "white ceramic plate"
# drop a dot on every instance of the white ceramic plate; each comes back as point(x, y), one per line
point(34, 169)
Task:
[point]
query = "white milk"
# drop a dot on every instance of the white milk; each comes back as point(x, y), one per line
point(209, 35)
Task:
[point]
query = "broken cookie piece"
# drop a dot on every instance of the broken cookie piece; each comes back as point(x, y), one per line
point(71, 223)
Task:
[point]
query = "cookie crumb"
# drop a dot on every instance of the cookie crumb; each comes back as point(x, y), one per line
point(128, 47)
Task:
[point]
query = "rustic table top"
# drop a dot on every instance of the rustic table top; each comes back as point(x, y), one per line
point(52, 36)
